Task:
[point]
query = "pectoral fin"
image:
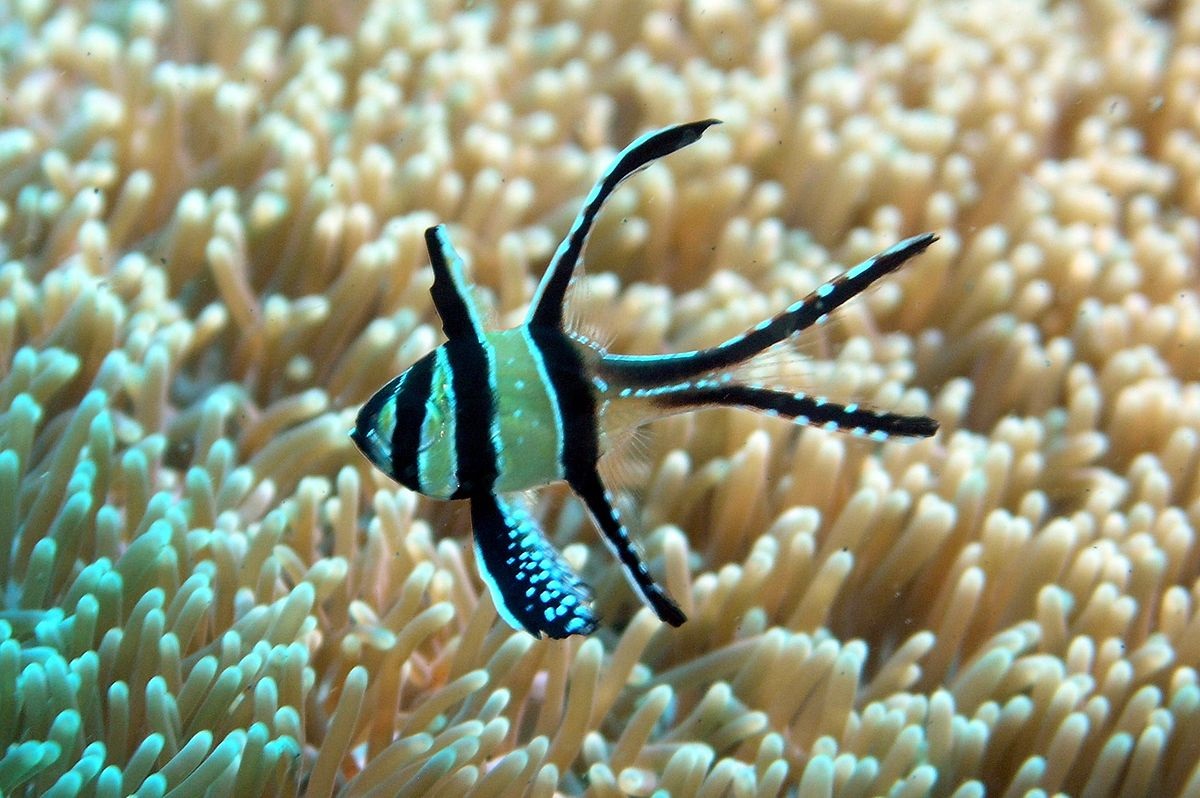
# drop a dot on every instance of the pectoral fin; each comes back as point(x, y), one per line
point(531, 584)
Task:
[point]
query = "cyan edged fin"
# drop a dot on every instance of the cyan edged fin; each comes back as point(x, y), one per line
point(451, 294)
point(547, 306)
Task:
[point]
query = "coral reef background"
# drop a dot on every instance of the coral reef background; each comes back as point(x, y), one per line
point(210, 253)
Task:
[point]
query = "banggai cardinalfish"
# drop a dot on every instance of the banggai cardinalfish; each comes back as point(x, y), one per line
point(493, 412)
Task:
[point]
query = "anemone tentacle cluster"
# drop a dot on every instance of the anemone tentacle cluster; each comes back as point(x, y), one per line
point(211, 252)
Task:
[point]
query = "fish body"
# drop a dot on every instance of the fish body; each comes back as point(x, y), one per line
point(490, 413)
point(526, 427)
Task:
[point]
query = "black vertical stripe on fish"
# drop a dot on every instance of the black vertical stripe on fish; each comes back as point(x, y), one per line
point(646, 370)
point(576, 405)
point(470, 368)
point(532, 586)
point(547, 307)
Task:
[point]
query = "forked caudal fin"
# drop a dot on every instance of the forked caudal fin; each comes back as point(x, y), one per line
point(801, 408)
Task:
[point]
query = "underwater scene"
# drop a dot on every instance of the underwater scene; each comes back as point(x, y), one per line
point(574, 398)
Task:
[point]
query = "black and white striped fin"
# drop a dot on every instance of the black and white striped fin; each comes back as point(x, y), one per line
point(469, 360)
point(595, 496)
point(635, 371)
point(450, 291)
point(802, 408)
point(531, 584)
point(547, 307)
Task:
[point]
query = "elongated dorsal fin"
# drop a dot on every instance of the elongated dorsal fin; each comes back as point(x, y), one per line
point(450, 292)
point(547, 307)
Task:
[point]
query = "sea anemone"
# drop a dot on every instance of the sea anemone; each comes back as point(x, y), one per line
point(211, 253)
